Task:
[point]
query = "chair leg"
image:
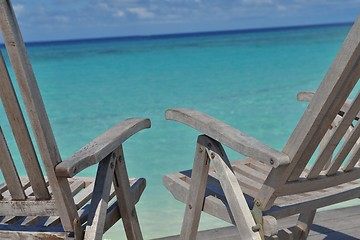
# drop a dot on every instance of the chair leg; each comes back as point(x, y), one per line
point(195, 199)
point(304, 224)
point(99, 203)
point(234, 195)
point(125, 200)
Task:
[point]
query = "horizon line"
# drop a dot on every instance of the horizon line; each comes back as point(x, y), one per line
point(186, 34)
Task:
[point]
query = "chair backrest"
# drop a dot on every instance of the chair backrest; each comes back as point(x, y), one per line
point(40, 125)
point(318, 118)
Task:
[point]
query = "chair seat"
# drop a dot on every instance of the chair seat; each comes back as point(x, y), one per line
point(81, 189)
point(251, 175)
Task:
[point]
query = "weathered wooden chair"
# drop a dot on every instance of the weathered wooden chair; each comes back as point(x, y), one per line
point(59, 205)
point(253, 193)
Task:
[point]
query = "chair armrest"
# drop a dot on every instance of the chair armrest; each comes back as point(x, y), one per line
point(307, 96)
point(100, 147)
point(228, 136)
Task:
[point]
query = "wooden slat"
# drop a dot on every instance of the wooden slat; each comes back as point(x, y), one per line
point(124, 198)
point(137, 187)
point(34, 235)
point(304, 223)
point(321, 182)
point(259, 166)
point(8, 169)
point(336, 137)
point(21, 133)
point(36, 112)
point(234, 195)
point(311, 201)
point(10, 219)
point(326, 139)
point(324, 106)
point(249, 172)
point(329, 225)
point(331, 197)
point(84, 196)
point(327, 116)
point(196, 194)
point(342, 76)
point(99, 202)
point(99, 148)
point(179, 189)
point(228, 136)
point(77, 186)
point(354, 158)
point(29, 207)
point(344, 151)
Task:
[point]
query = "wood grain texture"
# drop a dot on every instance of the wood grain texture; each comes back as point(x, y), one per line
point(37, 204)
point(9, 171)
point(125, 197)
point(228, 136)
point(329, 225)
point(99, 202)
point(331, 95)
point(300, 195)
point(29, 207)
point(21, 133)
point(100, 147)
point(344, 150)
point(321, 111)
point(36, 112)
point(234, 195)
point(195, 196)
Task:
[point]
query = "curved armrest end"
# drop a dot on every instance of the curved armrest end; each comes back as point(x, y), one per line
point(229, 136)
point(100, 147)
point(305, 96)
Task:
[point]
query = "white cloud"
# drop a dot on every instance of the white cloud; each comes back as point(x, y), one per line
point(18, 8)
point(141, 12)
point(119, 13)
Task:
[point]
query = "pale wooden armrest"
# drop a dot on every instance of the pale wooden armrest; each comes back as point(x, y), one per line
point(228, 136)
point(307, 96)
point(101, 147)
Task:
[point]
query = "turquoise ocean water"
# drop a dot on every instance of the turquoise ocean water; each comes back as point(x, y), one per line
point(248, 79)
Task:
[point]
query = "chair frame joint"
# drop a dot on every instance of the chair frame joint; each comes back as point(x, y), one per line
point(258, 218)
point(78, 230)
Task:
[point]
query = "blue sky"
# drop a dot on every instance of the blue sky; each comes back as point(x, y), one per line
point(42, 20)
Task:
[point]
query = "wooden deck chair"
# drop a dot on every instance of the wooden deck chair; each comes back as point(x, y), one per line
point(253, 193)
point(59, 205)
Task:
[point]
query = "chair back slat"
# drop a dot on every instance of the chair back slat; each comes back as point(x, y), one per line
point(335, 139)
point(21, 133)
point(326, 103)
point(344, 151)
point(8, 169)
point(354, 158)
point(35, 108)
point(337, 85)
point(321, 121)
point(325, 141)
